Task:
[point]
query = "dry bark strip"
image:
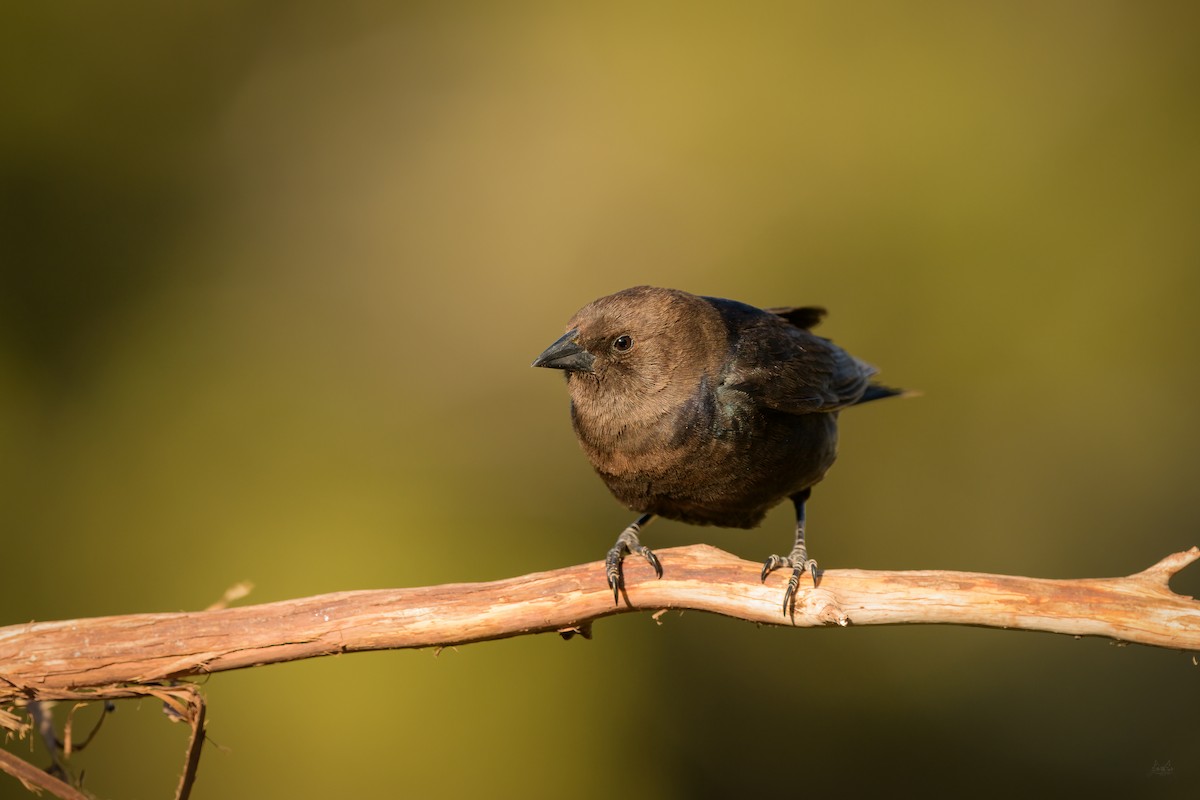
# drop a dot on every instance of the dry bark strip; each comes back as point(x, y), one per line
point(36, 780)
point(55, 660)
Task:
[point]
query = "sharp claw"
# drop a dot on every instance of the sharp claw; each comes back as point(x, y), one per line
point(627, 543)
point(793, 586)
point(653, 559)
point(799, 566)
point(768, 566)
point(614, 582)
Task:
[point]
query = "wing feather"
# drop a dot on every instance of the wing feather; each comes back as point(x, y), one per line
point(782, 366)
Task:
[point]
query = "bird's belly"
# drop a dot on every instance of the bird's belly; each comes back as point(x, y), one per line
point(730, 480)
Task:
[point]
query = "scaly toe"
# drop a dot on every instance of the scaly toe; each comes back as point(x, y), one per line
point(648, 554)
point(771, 564)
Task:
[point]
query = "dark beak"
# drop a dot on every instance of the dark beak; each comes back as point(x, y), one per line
point(566, 354)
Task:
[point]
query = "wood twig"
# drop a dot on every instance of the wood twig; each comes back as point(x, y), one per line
point(55, 660)
point(36, 780)
point(147, 654)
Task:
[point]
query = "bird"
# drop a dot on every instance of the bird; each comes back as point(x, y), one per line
point(707, 411)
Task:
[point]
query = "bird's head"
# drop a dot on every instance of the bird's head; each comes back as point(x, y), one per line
point(635, 354)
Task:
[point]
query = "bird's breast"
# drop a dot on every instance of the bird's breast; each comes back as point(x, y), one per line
point(708, 465)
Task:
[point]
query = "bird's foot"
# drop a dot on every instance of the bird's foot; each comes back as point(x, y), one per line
point(627, 543)
point(800, 563)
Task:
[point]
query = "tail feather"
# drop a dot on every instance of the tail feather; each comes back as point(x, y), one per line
point(877, 391)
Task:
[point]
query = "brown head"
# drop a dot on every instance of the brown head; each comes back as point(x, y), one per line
point(633, 356)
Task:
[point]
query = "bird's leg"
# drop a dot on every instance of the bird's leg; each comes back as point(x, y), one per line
point(798, 560)
point(627, 543)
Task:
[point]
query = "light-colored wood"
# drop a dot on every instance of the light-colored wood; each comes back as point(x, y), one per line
point(36, 780)
point(72, 658)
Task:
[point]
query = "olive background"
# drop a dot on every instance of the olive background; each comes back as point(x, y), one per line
point(273, 274)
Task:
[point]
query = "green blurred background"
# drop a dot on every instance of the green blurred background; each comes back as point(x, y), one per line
point(273, 274)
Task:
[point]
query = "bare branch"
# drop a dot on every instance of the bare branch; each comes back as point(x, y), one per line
point(35, 780)
point(61, 660)
point(139, 655)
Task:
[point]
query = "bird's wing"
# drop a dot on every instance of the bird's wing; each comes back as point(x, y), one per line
point(803, 317)
point(788, 369)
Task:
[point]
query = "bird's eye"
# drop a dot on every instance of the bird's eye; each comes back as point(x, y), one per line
point(622, 343)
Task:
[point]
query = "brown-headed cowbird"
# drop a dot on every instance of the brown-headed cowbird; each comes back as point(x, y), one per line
point(705, 410)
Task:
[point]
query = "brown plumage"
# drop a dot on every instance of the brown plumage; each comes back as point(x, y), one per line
point(705, 410)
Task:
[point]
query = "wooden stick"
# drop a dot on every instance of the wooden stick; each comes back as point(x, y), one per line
point(139, 655)
point(36, 780)
point(63, 660)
